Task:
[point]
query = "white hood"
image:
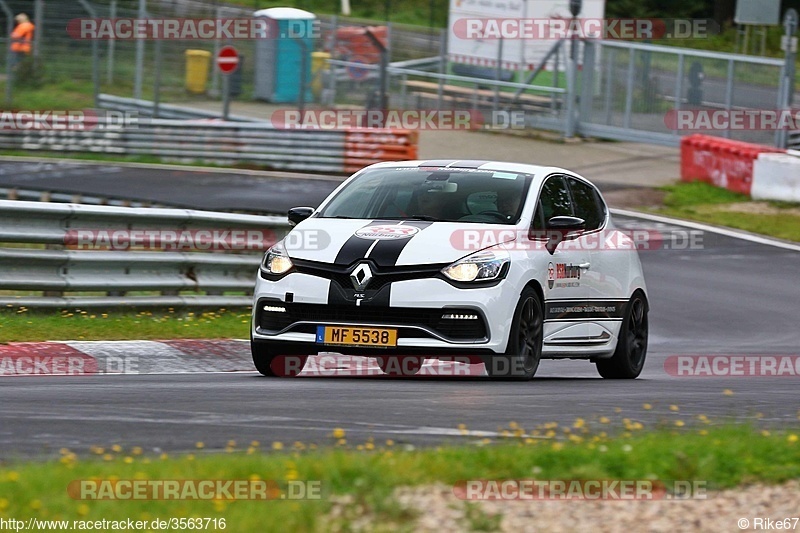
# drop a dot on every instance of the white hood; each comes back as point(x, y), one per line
point(394, 243)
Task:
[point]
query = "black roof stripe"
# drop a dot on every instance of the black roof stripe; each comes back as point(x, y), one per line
point(468, 163)
point(437, 163)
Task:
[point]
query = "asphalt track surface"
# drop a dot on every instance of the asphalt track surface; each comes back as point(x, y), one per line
point(726, 296)
point(211, 189)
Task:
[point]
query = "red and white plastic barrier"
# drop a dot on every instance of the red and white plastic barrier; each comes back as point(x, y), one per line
point(777, 177)
point(721, 162)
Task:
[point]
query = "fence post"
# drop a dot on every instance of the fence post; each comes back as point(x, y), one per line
point(626, 120)
point(679, 87)
point(786, 91)
point(611, 59)
point(137, 80)
point(572, 90)
point(111, 45)
point(95, 55)
point(301, 100)
point(442, 69)
point(157, 81)
point(9, 54)
point(384, 54)
point(38, 15)
point(498, 75)
point(215, 74)
point(729, 94)
point(587, 83)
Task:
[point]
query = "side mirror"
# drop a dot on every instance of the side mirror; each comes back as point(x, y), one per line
point(299, 214)
point(566, 224)
point(559, 227)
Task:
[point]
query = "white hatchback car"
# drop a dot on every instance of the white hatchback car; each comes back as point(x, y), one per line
point(502, 263)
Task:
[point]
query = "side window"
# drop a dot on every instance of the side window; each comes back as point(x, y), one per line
point(553, 202)
point(587, 203)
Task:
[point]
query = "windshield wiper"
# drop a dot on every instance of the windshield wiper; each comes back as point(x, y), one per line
point(427, 218)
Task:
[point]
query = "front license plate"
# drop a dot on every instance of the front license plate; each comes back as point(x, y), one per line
point(355, 336)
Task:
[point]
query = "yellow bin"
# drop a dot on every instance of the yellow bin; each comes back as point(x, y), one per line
point(197, 63)
point(318, 62)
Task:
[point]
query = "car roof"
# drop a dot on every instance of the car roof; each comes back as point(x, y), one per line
point(539, 172)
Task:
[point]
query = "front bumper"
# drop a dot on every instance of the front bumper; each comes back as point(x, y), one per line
point(416, 308)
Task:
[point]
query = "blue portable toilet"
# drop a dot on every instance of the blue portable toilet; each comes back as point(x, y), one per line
point(280, 57)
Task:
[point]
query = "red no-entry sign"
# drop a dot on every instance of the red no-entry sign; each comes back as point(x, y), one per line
point(227, 59)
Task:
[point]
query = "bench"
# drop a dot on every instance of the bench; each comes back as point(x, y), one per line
point(474, 96)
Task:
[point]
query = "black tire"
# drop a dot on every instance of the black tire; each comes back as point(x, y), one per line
point(628, 359)
point(276, 366)
point(400, 366)
point(524, 350)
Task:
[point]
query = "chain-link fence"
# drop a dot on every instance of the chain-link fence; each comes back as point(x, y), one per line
point(621, 90)
point(640, 88)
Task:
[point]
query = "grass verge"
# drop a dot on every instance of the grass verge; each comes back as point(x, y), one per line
point(705, 203)
point(363, 480)
point(22, 325)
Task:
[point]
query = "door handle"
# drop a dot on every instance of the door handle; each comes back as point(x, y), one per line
point(584, 266)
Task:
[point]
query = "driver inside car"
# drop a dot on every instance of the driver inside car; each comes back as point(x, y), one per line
point(508, 203)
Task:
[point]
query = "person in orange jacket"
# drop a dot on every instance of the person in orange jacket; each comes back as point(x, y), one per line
point(22, 37)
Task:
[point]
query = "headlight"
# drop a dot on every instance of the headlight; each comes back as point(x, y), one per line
point(485, 265)
point(276, 260)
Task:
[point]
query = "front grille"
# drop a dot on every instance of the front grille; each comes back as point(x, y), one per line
point(401, 316)
point(380, 276)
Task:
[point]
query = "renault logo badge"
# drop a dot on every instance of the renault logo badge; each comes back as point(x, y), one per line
point(361, 277)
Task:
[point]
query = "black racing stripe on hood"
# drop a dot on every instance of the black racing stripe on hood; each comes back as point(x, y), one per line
point(387, 252)
point(355, 248)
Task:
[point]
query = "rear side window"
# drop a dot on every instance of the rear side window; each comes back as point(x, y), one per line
point(553, 202)
point(587, 204)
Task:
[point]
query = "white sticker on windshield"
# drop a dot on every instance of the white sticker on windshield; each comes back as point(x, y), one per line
point(504, 175)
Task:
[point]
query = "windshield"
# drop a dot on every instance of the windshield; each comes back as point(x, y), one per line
point(440, 194)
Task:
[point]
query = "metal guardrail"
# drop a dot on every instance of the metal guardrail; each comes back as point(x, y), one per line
point(48, 195)
point(336, 151)
point(145, 108)
point(793, 142)
point(62, 264)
